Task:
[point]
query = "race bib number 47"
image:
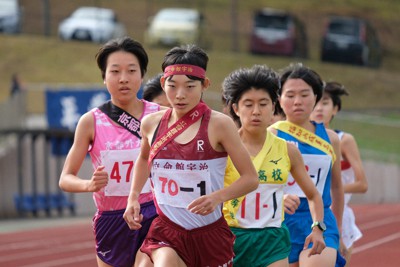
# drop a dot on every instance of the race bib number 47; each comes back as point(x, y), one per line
point(178, 188)
point(119, 166)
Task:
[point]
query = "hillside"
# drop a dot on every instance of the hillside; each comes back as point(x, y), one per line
point(42, 59)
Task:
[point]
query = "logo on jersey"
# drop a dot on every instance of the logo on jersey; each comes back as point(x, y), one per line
point(162, 243)
point(200, 144)
point(275, 161)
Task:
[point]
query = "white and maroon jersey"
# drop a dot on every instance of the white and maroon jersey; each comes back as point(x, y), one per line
point(117, 149)
point(348, 176)
point(183, 172)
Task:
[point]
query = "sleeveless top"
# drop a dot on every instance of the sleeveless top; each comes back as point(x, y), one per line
point(264, 206)
point(318, 165)
point(348, 176)
point(181, 173)
point(117, 149)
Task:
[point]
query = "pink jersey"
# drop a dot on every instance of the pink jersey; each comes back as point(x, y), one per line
point(116, 148)
point(183, 172)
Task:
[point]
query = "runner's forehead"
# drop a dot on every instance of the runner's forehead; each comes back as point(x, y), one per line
point(180, 79)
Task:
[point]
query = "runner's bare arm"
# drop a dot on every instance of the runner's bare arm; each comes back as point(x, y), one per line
point(141, 172)
point(69, 180)
point(336, 183)
point(224, 136)
point(302, 178)
point(351, 154)
point(314, 198)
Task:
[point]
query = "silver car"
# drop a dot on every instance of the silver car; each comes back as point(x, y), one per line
point(91, 24)
point(176, 26)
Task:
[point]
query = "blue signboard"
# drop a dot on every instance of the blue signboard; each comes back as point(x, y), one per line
point(64, 107)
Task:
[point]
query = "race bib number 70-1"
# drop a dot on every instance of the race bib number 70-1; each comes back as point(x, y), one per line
point(178, 188)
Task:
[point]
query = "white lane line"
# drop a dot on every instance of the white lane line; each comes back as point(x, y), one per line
point(39, 242)
point(376, 243)
point(378, 223)
point(64, 261)
point(44, 251)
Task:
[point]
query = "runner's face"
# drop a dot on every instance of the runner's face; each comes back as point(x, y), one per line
point(297, 100)
point(183, 93)
point(255, 110)
point(324, 110)
point(123, 75)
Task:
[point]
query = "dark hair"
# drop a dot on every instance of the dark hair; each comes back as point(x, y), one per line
point(152, 88)
point(279, 110)
point(309, 76)
point(240, 81)
point(335, 90)
point(186, 54)
point(126, 44)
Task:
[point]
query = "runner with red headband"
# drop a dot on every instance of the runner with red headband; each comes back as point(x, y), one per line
point(185, 150)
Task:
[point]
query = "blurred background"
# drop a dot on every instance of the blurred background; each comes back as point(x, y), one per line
point(48, 76)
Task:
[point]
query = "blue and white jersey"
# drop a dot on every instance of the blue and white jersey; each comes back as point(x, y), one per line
point(318, 165)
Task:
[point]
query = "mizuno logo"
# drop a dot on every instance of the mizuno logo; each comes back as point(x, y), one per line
point(275, 161)
point(103, 253)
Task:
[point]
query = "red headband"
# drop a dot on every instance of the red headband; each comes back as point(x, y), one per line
point(183, 69)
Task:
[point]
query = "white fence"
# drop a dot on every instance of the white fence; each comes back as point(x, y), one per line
point(383, 183)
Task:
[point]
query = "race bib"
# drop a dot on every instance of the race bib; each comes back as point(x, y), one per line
point(119, 166)
point(262, 207)
point(318, 167)
point(178, 188)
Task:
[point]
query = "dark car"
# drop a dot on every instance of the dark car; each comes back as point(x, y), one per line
point(351, 40)
point(277, 32)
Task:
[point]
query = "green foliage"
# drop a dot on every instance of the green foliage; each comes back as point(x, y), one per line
point(377, 136)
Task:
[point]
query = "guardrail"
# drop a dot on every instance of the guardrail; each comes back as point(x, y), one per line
point(34, 151)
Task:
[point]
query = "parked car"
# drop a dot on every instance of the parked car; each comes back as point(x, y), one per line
point(278, 32)
point(91, 24)
point(176, 26)
point(351, 40)
point(10, 16)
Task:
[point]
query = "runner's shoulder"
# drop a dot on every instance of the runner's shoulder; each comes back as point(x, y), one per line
point(220, 117)
point(222, 121)
point(155, 116)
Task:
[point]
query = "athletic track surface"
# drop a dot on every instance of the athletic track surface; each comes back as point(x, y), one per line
point(69, 241)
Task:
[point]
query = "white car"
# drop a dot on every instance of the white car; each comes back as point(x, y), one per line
point(176, 26)
point(91, 24)
point(10, 16)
